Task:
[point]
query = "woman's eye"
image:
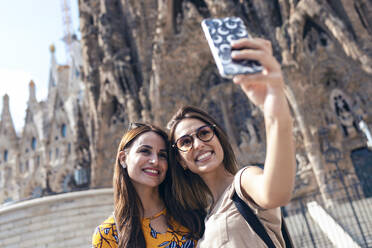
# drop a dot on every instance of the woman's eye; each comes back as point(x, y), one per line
point(145, 151)
point(204, 133)
point(185, 141)
point(163, 155)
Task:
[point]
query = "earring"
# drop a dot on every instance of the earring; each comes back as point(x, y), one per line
point(123, 164)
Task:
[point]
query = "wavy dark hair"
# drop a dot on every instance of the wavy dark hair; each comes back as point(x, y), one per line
point(128, 206)
point(189, 188)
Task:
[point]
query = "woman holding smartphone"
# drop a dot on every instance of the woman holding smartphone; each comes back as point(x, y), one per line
point(145, 214)
point(207, 167)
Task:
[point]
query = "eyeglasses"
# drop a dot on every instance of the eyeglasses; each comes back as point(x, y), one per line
point(204, 133)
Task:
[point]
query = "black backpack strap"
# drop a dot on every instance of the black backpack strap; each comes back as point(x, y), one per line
point(252, 220)
point(287, 238)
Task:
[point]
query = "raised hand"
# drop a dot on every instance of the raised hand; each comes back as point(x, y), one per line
point(265, 89)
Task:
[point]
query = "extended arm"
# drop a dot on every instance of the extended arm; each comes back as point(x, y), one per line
point(271, 187)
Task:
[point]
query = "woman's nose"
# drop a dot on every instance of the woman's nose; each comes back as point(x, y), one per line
point(197, 142)
point(154, 159)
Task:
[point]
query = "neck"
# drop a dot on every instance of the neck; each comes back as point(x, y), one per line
point(217, 181)
point(151, 201)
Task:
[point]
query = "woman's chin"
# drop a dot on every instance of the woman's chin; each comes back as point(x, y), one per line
point(202, 168)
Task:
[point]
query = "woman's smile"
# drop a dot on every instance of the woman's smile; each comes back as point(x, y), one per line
point(151, 171)
point(204, 156)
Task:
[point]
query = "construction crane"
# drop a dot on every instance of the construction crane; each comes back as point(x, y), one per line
point(67, 24)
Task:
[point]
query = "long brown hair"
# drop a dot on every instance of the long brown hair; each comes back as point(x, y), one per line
point(128, 206)
point(188, 187)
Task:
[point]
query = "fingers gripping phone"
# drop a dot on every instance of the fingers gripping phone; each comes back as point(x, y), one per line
point(219, 33)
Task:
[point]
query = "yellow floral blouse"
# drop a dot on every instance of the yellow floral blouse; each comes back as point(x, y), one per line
point(106, 236)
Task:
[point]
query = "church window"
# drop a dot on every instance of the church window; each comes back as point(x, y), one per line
point(341, 104)
point(69, 148)
point(81, 177)
point(63, 130)
point(27, 165)
point(57, 152)
point(5, 155)
point(361, 159)
point(33, 143)
point(313, 34)
point(21, 168)
point(38, 160)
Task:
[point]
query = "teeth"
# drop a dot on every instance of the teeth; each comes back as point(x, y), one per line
point(204, 156)
point(152, 171)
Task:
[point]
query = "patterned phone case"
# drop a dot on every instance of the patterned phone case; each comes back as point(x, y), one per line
point(219, 33)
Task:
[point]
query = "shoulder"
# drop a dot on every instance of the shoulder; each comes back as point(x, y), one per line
point(108, 223)
point(248, 172)
point(244, 181)
point(105, 235)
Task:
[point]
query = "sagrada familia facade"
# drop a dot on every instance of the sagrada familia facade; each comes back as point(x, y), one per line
point(140, 61)
point(42, 159)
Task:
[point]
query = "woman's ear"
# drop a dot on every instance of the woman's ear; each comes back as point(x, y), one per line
point(122, 156)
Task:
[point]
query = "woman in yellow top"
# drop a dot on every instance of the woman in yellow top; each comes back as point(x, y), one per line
point(145, 213)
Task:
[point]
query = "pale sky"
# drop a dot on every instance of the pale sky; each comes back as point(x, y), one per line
point(27, 29)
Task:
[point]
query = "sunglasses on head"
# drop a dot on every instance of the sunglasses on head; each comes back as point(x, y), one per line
point(204, 133)
point(133, 125)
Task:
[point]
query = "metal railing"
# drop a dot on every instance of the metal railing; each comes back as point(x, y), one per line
point(349, 217)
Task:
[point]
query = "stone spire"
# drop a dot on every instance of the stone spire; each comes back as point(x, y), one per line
point(32, 102)
point(53, 81)
point(53, 68)
point(32, 93)
point(6, 124)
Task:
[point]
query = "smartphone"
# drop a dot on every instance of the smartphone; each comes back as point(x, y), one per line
point(219, 33)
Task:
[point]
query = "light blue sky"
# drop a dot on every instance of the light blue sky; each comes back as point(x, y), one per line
point(27, 29)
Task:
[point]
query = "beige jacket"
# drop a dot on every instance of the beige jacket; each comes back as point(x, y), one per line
point(226, 227)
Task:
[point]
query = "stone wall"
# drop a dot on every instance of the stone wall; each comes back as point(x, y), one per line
point(66, 220)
